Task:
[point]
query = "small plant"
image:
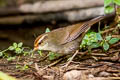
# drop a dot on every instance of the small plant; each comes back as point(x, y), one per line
point(47, 30)
point(109, 5)
point(52, 55)
point(105, 43)
point(16, 48)
point(22, 68)
point(25, 67)
point(89, 39)
point(11, 58)
point(40, 52)
point(95, 40)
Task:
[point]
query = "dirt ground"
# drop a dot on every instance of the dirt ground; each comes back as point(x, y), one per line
point(98, 65)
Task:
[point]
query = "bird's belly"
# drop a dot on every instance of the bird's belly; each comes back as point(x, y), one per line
point(69, 48)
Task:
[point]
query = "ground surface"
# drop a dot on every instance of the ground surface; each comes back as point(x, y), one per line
point(96, 65)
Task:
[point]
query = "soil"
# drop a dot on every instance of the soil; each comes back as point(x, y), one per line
point(97, 63)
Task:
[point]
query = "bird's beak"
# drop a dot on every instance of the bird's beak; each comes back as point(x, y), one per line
point(32, 51)
point(35, 49)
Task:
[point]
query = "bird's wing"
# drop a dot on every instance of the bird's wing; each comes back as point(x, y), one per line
point(76, 32)
point(82, 28)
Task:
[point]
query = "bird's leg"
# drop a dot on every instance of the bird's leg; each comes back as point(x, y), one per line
point(71, 58)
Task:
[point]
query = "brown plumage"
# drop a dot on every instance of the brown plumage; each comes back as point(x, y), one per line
point(64, 40)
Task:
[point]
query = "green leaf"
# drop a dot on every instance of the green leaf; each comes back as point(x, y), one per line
point(108, 38)
point(107, 2)
point(11, 48)
point(114, 40)
point(117, 2)
point(98, 36)
point(4, 76)
point(89, 39)
point(1, 54)
point(15, 45)
point(6, 55)
point(25, 67)
point(40, 52)
point(18, 66)
point(18, 50)
point(105, 46)
point(109, 9)
point(11, 58)
point(51, 56)
point(95, 45)
point(20, 44)
point(25, 53)
point(47, 30)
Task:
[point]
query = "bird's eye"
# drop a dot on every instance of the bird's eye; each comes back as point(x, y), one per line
point(39, 43)
point(41, 40)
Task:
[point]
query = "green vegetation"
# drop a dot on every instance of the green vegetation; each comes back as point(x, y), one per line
point(47, 30)
point(109, 5)
point(4, 76)
point(18, 49)
point(22, 68)
point(52, 55)
point(95, 40)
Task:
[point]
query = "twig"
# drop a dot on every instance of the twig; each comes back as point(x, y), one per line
point(36, 67)
point(109, 59)
point(52, 64)
point(43, 58)
point(40, 72)
point(107, 30)
point(71, 58)
point(114, 78)
point(94, 54)
point(116, 36)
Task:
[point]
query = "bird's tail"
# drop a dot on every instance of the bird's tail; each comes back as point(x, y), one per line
point(99, 18)
point(95, 20)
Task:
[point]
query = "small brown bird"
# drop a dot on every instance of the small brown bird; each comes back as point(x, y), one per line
point(65, 40)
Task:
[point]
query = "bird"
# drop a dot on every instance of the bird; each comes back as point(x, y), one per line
point(65, 40)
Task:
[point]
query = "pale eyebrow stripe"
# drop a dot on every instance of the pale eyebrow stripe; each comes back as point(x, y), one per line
point(41, 38)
